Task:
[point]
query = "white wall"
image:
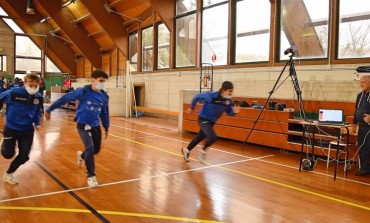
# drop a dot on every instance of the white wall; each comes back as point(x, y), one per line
point(325, 82)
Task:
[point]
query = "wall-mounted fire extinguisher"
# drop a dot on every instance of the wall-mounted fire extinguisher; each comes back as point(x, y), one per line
point(206, 79)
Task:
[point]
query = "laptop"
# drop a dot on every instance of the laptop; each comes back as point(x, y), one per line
point(331, 116)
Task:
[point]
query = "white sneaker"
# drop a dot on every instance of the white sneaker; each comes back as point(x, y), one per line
point(91, 181)
point(79, 158)
point(186, 154)
point(202, 156)
point(8, 177)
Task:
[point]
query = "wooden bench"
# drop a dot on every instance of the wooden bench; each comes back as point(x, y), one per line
point(157, 111)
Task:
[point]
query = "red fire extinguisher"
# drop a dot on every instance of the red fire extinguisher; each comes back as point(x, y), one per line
point(206, 80)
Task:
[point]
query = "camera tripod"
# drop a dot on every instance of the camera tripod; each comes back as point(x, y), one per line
point(293, 76)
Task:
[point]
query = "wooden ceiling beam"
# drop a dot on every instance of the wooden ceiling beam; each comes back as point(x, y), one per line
point(78, 34)
point(142, 17)
point(98, 33)
point(165, 10)
point(62, 56)
point(111, 23)
point(116, 3)
point(81, 19)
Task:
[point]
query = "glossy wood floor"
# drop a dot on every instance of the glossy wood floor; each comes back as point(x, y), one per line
point(143, 178)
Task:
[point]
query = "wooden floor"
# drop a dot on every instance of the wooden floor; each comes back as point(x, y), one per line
point(143, 178)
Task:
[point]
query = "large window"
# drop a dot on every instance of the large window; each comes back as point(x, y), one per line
point(354, 29)
point(186, 41)
point(304, 26)
point(2, 63)
point(215, 34)
point(132, 50)
point(184, 6)
point(252, 31)
point(27, 55)
point(186, 33)
point(163, 47)
point(147, 51)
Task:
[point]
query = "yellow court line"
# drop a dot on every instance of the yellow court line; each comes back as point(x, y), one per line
point(264, 179)
point(260, 178)
point(120, 213)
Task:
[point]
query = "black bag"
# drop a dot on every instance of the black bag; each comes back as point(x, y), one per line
point(363, 69)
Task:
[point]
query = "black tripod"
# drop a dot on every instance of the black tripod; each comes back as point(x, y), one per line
point(293, 76)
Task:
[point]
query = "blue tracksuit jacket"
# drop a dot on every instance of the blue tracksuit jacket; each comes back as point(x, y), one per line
point(22, 110)
point(214, 105)
point(92, 106)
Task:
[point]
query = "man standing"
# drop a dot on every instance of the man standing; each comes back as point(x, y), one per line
point(91, 110)
point(214, 105)
point(362, 119)
point(22, 116)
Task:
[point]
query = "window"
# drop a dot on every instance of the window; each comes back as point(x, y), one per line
point(252, 31)
point(163, 47)
point(212, 2)
point(13, 26)
point(133, 45)
point(27, 64)
point(27, 54)
point(304, 25)
point(354, 29)
point(26, 48)
point(184, 6)
point(215, 34)
point(186, 41)
point(147, 51)
point(50, 66)
point(2, 12)
point(186, 30)
point(2, 63)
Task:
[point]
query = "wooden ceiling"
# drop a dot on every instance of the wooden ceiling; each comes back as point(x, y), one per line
point(87, 28)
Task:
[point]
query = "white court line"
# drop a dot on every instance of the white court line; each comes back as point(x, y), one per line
point(177, 140)
point(132, 180)
point(270, 162)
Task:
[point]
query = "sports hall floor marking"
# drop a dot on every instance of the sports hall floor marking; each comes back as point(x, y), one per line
point(133, 180)
point(99, 212)
point(235, 171)
point(287, 185)
point(119, 213)
point(265, 161)
point(73, 194)
point(262, 178)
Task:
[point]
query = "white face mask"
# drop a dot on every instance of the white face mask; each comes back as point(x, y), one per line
point(31, 90)
point(227, 97)
point(100, 86)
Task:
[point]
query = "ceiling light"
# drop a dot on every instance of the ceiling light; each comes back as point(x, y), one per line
point(44, 19)
point(67, 3)
point(30, 7)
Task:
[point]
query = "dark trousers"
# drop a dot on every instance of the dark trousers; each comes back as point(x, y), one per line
point(364, 153)
point(24, 139)
point(206, 131)
point(91, 139)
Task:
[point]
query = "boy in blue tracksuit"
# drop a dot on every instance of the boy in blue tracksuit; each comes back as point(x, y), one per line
point(214, 105)
point(22, 116)
point(91, 110)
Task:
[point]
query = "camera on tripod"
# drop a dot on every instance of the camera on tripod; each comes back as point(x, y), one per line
point(291, 50)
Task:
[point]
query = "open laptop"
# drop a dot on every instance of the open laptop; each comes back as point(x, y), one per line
point(331, 116)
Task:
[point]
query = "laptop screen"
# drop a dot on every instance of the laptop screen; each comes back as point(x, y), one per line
point(330, 116)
